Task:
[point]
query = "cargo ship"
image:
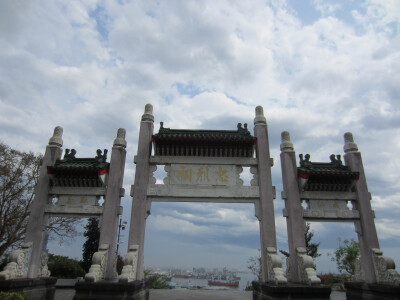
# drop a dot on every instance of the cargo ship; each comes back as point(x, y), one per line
point(221, 283)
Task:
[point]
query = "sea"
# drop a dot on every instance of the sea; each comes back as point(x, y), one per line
point(245, 280)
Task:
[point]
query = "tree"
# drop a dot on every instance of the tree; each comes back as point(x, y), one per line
point(19, 173)
point(346, 255)
point(92, 234)
point(254, 265)
point(311, 248)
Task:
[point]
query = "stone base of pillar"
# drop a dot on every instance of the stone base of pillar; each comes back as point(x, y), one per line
point(365, 291)
point(270, 291)
point(103, 290)
point(36, 289)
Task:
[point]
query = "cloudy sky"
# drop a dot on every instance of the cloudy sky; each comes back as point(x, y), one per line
point(319, 68)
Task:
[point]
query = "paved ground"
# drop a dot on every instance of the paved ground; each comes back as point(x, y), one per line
point(199, 295)
point(68, 294)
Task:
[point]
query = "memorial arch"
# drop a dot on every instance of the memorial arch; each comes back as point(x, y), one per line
point(72, 187)
point(328, 188)
point(203, 166)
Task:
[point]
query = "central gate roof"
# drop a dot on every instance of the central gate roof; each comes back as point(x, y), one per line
point(217, 143)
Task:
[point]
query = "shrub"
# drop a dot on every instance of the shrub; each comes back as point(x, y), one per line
point(13, 296)
point(64, 267)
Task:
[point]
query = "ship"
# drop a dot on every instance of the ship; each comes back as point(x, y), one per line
point(221, 283)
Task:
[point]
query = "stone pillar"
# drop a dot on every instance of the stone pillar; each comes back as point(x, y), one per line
point(139, 201)
point(36, 228)
point(365, 226)
point(266, 205)
point(109, 228)
point(293, 210)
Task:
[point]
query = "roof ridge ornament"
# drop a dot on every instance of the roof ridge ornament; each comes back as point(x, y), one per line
point(349, 145)
point(101, 157)
point(56, 139)
point(69, 154)
point(336, 161)
point(286, 143)
point(305, 162)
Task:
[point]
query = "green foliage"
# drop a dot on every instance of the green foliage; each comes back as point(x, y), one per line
point(92, 234)
point(13, 296)
point(346, 255)
point(312, 248)
point(157, 281)
point(64, 267)
point(330, 279)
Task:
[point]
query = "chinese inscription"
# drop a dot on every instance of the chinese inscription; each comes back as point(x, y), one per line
point(202, 174)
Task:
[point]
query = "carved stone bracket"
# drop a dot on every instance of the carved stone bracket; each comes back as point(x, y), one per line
point(385, 268)
point(152, 179)
point(254, 171)
point(274, 266)
point(167, 168)
point(306, 268)
point(130, 264)
point(18, 265)
point(99, 261)
point(239, 170)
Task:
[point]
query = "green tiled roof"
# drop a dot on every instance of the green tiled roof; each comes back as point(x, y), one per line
point(189, 142)
point(241, 134)
point(334, 168)
point(328, 177)
point(72, 171)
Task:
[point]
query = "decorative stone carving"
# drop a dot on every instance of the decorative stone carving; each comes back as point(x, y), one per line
point(167, 168)
point(99, 261)
point(120, 139)
point(19, 262)
point(349, 145)
point(286, 144)
point(260, 119)
point(56, 139)
point(274, 266)
point(148, 113)
point(359, 272)
point(130, 264)
point(385, 268)
point(239, 170)
point(44, 270)
point(254, 171)
point(306, 268)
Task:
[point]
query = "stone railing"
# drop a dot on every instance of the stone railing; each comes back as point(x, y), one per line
point(99, 261)
point(130, 264)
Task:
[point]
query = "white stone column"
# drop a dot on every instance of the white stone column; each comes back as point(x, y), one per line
point(266, 206)
point(293, 209)
point(365, 227)
point(139, 201)
point(109, 224)
point(36, 228)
